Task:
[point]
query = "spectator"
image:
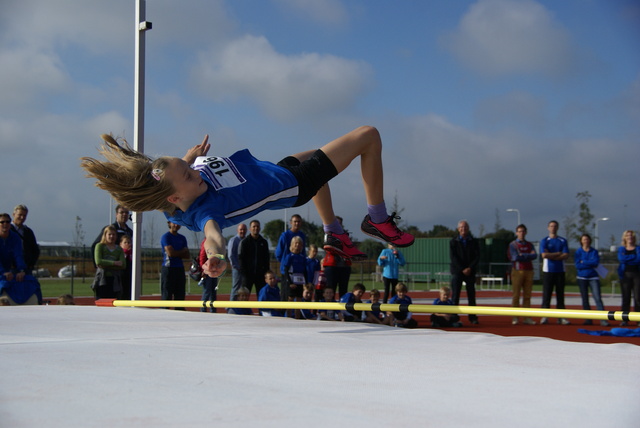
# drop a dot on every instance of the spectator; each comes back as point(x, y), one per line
point(439, 320)
point(30, 248)
point(127, 249)
point(337, 268)
point(294, 271)
point(402, 319)
point(313, 265)
point(464, 252)
point(4, 301)
point(521, 253)
point(174, 251)
point(209, 285)
point(391, 259)
point(307, 296)
point(243, 296)
point(587, 260)
point(66, 299)
point(121, 226)
point(254, 258)
point(110, 262)
point(629, 271)
point(270, 293)
point(15, 284)
point(355, 296)
point(375, 315)
point(284, 242)
point(329, 296)
point(233, 248)
point(554, 251)
point(337, 271)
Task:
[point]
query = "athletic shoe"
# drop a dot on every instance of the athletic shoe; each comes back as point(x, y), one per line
point(564, 321)
point(529, 321)
point(514, 321)
point(387, 231)
point(604, 323)
point(544, 321)
point(341, 244)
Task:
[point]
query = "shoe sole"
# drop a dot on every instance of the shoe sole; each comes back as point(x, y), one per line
point(344, 255)
point(388, 240)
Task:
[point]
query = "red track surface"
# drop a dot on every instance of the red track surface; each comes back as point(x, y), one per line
point(500, 325)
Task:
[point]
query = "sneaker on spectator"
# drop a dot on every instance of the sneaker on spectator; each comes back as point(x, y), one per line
point(342, 245)
point(387, 231)
point(604, 323)
point(544, 321)
point(528, 321)
point(564, 321)
point(514, 321)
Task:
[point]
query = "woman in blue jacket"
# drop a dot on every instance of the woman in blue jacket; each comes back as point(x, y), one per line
point(587, 260)
point(629, 271)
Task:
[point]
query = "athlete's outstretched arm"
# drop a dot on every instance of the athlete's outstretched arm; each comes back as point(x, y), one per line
point(214, 246)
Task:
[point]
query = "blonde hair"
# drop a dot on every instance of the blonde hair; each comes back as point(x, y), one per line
point(401, 287)
point(132, 178)
point(103, 239)
point(623, 242)
point(293, 241)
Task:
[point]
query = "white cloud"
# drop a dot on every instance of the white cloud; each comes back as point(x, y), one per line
point(285, 87)
point(502, 37)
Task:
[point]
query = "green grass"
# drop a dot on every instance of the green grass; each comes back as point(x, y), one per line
point(54, 287)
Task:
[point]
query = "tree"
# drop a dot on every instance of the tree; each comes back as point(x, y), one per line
point(371, 247)
point(584, 223)
point(498, 224)
point(78, 235)
point(272, 231)
point(440, 231)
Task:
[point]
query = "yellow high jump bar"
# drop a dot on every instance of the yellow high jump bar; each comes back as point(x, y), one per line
point(384, 307)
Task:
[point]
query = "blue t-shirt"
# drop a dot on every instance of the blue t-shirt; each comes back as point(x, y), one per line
point(238, 188)
point(553, 245)
point(178, 242)
point(270, 294)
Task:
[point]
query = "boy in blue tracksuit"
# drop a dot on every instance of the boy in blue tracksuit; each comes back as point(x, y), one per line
point(270, 293)
point(350, 298)
point(402, 319)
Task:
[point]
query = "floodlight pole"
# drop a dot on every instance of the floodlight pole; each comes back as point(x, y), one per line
point(511, 210)
point(141, 26)
point(597, 238)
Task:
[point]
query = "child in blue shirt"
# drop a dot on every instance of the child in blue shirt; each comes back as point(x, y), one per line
point(307, 295)
point(402, 319)
point(270, 293)
point(445, 320)
point(376, 316)
point(243, 294)
point(210, 193)
point(354, 297)
point(329, 314)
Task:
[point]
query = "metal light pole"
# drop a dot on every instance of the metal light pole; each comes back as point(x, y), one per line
point(141, 26)
point(596, 231)
point(517, 212)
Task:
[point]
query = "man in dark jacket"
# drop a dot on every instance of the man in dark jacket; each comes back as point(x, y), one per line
point(30, 248)
point(254, 258)
point(464, 252)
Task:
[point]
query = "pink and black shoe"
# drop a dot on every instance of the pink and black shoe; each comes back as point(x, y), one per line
point(341, 244)
point(387, 231)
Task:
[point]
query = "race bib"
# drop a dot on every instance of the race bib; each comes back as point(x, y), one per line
point(297, 278)
point(221, 172)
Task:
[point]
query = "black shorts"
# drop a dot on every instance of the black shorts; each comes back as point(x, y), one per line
point(311, 174)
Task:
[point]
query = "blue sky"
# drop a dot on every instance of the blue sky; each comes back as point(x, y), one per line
point(482, 105)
